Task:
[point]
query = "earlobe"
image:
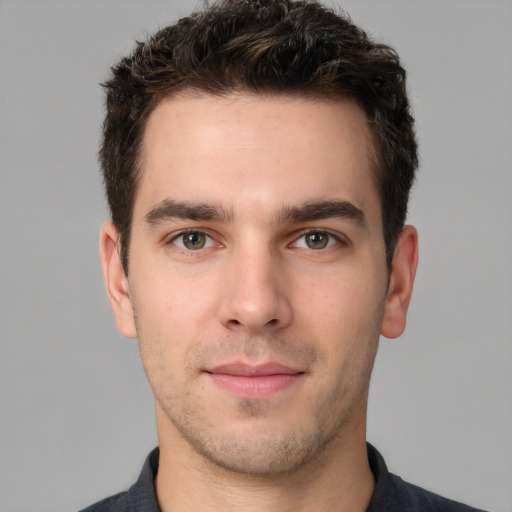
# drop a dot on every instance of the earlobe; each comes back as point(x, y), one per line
point(401, 282)
point(118, 287)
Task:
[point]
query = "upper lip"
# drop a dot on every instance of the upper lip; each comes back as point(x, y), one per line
point(261, 370)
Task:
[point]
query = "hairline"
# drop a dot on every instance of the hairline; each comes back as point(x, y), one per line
point(312, 94)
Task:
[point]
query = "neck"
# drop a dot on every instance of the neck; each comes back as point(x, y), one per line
point(338, 479)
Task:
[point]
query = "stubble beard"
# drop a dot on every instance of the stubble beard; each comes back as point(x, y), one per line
point(260, 450)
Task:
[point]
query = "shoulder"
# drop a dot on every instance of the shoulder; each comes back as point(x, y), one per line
point(420, 499)
point(116, 503)
point(392, 494)
point(140, 496)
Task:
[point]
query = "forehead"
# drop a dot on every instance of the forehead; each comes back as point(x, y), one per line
point(261, 151)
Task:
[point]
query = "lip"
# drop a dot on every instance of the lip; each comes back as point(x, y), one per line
point(254, 382)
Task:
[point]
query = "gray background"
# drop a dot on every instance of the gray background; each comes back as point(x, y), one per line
point(76, 412)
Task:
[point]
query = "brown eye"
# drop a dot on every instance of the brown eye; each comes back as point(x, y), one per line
point(192, 240)
point(317, 240)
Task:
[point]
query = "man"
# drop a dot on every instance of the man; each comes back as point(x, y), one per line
point(258, 158)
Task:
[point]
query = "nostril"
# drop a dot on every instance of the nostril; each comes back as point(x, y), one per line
point(274, 321)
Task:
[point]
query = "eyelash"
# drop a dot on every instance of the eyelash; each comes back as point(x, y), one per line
point(186, 232)
point(337, 239)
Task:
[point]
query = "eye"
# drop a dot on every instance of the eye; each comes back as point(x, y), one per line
point(192, 240)
point(316, 240)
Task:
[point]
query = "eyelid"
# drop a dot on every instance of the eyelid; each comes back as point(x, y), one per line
point(338, 237)
point(172, 237)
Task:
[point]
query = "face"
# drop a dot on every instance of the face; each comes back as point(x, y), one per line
point(257, 284)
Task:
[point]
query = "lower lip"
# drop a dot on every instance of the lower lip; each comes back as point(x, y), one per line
point(261, 386)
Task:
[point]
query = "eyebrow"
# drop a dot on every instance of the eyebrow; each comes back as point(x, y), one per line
point(322, 210)
point(169, 209)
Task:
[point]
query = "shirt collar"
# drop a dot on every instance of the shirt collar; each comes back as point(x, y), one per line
point(142, 496)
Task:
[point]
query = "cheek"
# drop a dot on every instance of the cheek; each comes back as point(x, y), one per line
point(173, 314)
point(174, 298)
point(344, 315)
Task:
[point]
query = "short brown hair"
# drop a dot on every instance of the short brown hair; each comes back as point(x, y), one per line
point(261, 46)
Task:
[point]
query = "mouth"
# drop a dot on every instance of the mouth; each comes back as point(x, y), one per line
point(254, 382)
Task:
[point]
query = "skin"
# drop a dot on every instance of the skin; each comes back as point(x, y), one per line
point(263, 281)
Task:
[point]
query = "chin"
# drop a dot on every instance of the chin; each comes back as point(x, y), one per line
point(260, 451)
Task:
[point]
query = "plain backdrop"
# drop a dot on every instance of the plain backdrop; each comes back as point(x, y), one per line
point(76, 411)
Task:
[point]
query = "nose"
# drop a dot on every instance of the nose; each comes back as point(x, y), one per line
point(254, 292)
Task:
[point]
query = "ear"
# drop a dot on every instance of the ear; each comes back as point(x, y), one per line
point(403, 270)
point(118, 286)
